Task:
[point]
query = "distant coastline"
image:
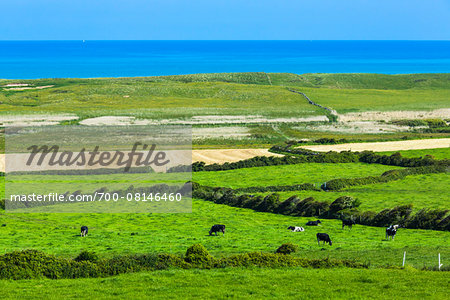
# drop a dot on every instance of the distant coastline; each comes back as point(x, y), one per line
point(92, 59)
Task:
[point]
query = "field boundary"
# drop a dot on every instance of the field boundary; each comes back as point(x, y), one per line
point(332, 114)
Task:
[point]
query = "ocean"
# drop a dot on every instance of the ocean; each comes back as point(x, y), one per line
point(87, 59)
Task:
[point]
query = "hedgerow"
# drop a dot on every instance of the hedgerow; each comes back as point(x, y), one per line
point(298, 156)
point(33, 264)
point(342, 207)
point(342, 183)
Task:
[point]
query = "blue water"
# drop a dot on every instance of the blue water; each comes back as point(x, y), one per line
point(53, 59)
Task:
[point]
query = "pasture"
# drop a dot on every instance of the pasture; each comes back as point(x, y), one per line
point(423, 191)
point(243, 94)
point(287, 175)
point(286, 283)
point(247, 230)
point(261, 110)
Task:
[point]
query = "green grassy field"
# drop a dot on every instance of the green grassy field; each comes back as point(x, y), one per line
point(287, 175)
point(423, 191)
point(149, 99)
point(261, 176)
point(222, 94)
point(247, 230)
point(440, 153)
point(283, 283)
point(240, 94)
point(360, 100)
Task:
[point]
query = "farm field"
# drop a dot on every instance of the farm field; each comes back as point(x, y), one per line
point(242, 284)
point(260, 107)
point(248, 177)
point(440, 153)
point(212, 93)
point(287, 175)
point(233, 117)
point(384, 146)
point(247, 230)
point(423, 191)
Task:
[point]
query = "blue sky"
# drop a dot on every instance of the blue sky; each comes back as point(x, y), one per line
point(225, 20)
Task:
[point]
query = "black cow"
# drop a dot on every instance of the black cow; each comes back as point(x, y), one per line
point(323, 237)
point(84, 231)
point(313, 223)
point(348, 223)
point(217, 228)
point(391, 231)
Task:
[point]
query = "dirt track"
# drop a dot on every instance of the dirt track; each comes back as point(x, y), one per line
point(384, 146)
point(228, 155)
point(209, 156)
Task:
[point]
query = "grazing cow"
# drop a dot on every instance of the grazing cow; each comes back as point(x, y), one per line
point(391, 231)
point(348, 223)
point(84, 231)
point(323, 237)
point(313, 223)
point(217, 228)
point(296, 229)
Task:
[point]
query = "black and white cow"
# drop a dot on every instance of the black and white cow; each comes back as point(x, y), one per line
point(296, 229)
point(348, 223)
point(391, 231)
point(323, 237)
point(313, 223)
point(84, 231)
point(217, 228)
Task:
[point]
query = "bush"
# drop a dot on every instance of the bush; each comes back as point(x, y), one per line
point(427, 219)
point(269, 203)
point(33, 264)
point(341, 203)
point(198, 255)
point(288, 206)
point(166, 261)
point(287, 248)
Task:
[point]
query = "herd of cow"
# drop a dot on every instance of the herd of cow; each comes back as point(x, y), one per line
point(391, 231)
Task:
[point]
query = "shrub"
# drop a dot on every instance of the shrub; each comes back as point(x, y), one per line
point(166, 261)
point(288, 206)
point(287, 248)
point(341, 203)
point(31, 264)
point(269, 203)
point(197, 254)
point(427, 219)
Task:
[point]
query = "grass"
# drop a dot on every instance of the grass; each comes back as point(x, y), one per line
point(223, 94)
point(423, 191)
point(440, 153)
point(360, 100)
point(247, 230)
point(242, 284)
point(261, 176)
point(287, 175)
point(155, 100)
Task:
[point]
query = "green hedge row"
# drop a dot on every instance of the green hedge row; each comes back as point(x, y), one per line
point(299, 156)
point(342, 207)
point(33, 264)
point(370, 157)
point(100, 171)
point(342, 183)
point(279, 188)
point(264, 161)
